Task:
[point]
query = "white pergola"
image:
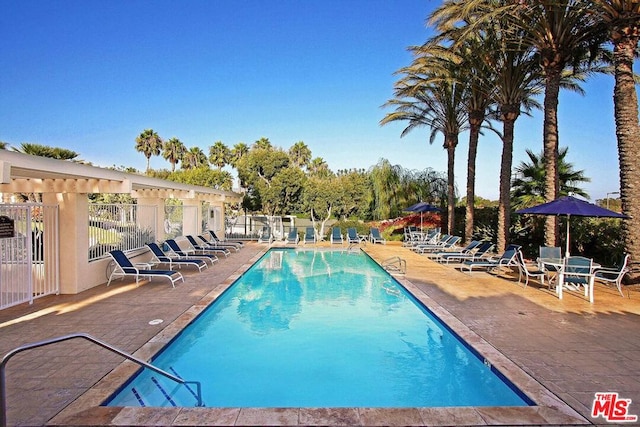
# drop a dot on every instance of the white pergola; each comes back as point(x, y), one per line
point(67, 185)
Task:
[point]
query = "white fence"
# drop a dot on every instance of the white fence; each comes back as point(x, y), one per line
point(131, 226)
point(120, 226)
point(29, 254)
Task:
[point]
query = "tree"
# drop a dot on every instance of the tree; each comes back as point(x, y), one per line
point(149, 143)
point(238, 152)
point(318, 167)
point(46, 151)
point(300, 154)
point(529, 185)
point(517, 83)
point(263, 143)
point(219, 155)
point(562, 32)
point(320, 197)
point(194, 158)
point(385, 185)
point(430, 94)
point(204, 176)
point(621, 18)
point(173, 150)
point(257, 171)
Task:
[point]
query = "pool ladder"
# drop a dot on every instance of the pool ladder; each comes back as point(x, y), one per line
point(5, 359)
point(395, 265)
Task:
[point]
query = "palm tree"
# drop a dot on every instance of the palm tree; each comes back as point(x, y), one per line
point(219, 154)
point(517, 82)
point(237, 152)
point(263, 143)
point(318, 167)
point(149, 143)
point(46, 151)
point(563, 32)
point(527, 189)
point(300, 154)
point(622, 20)
point(430, 94)
point(173, 151)
point(194, 158)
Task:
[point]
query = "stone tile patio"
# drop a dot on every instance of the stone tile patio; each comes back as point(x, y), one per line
point(571, 347)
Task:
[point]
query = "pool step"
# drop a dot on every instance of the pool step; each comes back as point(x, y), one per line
point(155, 393)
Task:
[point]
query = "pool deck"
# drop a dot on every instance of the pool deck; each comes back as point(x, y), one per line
point(570, 347)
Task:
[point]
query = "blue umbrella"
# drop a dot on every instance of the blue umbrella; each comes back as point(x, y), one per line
point(422, 207)
point(570, 206)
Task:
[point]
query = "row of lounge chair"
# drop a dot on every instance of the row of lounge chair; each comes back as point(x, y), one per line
point(196, 251)
point(336, 236)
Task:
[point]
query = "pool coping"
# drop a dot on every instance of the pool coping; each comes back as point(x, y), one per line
point(548, 408)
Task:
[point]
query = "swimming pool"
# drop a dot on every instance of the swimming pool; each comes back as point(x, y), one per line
point(320, 329)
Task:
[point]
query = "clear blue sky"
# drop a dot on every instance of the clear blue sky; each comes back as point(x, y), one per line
point(90, 75)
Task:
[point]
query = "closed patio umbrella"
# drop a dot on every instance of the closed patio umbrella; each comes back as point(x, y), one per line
point(570, 206)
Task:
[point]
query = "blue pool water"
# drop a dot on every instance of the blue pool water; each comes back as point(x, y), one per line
point(319, 329)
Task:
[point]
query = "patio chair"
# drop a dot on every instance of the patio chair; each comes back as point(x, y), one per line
point(479, 253)
point(352, 236)
point(309, 235)
point(336, 235)
point(214, 237)
point(549, 256)
point(210, 243)
point(177, 250)
point(449, 245)
point(507, 259)
point(577, 272)
point(444, 255)
point(375, 236)
point(292, 237)
point(613, 275)
point(205, 248)
point(433, 243)
point(265, 235)
point(160, 257)
point(218, 244)
point(529, 270)
point(124, 267)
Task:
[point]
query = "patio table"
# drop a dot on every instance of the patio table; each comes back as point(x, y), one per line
point(557, 265)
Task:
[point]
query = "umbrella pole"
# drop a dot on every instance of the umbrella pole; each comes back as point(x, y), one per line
point(568, 220)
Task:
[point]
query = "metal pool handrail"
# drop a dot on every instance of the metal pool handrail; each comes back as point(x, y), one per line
point(5, 359)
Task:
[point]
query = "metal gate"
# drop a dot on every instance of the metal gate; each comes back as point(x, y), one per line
point(29, 253)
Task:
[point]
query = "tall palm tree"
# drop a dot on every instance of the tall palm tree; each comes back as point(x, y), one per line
point(563, 32)
point(430, 94)
point(173, 150)
point(517, 83)
point(300, 154)
point(621, 18)
point(527, 189)
point(149, 143)
point(219, 155)
point(194, 158)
